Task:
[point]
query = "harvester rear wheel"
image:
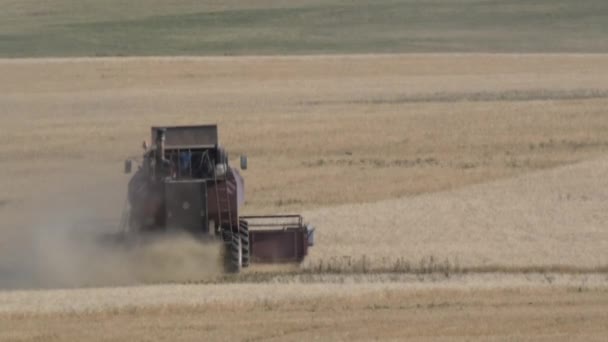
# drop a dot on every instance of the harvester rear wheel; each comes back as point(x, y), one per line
point(244, 233)
point(233, 262)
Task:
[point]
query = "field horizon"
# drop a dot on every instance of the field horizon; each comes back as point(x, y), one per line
point(65, 28)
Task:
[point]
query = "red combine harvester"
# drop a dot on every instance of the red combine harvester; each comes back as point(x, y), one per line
point(185, 183)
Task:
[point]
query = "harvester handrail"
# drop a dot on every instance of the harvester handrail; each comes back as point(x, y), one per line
point(252, 218)
point(272, 216)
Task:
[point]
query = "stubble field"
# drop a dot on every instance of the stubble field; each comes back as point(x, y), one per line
point(422, 174)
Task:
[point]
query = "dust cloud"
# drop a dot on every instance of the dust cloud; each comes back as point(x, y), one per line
point(71, 238)
point(63, 256)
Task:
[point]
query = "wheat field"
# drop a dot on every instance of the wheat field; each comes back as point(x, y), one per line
point(439, 185)
point(532, 307)
point(320, 131)
point(549, 219)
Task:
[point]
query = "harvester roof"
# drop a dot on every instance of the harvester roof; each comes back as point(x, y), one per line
point(188, 136)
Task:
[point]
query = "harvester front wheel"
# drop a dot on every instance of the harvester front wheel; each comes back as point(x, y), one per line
point(244, 233)
point(233, 262)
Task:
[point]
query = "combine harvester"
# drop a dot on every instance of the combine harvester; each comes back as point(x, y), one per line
point(185, 183)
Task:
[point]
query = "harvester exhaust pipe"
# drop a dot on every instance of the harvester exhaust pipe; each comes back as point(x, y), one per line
point(160, 151)
point(160, 145)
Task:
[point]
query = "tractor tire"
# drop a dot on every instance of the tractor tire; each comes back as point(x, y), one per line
point(233, 262)
point(226, 236)
point(244, 233)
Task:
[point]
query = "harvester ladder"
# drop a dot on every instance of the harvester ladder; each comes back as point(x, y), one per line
point(125, 217)
point(222, 195)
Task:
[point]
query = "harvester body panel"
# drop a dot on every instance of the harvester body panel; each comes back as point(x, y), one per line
point(186, 205)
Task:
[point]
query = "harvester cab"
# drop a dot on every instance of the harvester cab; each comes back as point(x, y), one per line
point(185, 182)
